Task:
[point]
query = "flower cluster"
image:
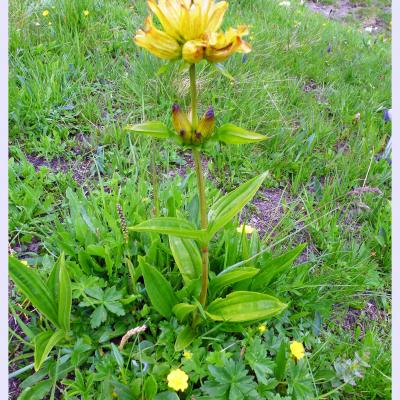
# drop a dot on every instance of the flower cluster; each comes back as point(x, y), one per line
point(191, 31)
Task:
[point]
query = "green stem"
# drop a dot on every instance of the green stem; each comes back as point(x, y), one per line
point(203, 219)
point(201, 189)
point(193, 94)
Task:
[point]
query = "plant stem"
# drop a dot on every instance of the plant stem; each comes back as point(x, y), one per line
point(201, 189)
point(193, 94)
point(203, 219)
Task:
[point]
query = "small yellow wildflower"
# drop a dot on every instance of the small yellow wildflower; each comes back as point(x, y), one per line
point(188, 355)
point(86, 13)
point(114, 395)
point(248, 229)
point(177, 380)
point(45, 13)
point(262, 328)
point(24, 262)
point(297, 350)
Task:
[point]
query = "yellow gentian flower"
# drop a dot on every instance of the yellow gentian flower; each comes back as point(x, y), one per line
point(45, 13)
point(190, 31)
point(248, 229)
point(178, 380)
point(297, 350)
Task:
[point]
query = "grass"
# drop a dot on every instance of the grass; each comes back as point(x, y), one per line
point(82, 77)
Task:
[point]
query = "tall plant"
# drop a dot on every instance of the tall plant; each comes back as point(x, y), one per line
point(192, 34)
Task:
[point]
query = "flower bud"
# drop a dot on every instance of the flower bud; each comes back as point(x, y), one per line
point(206, 124)
point(181, 123)
point(193, 51)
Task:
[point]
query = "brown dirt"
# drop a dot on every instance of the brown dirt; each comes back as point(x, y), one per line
point(362, 317)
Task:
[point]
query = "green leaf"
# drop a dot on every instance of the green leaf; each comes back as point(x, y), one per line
point(277, 266)
point(44, 343)
point(170, 226)
point(184, 338)
point(182, 310)
point(280, 361)
point(152, 128)
point(232, 277)
point(150, 387)
point(232, 134)
point(36, 392)
point(117, 355)
point(65, 296)
point(159, 290)
point(29, 282)
point(229, 205)
point(99, 315)
point(166, 396)
point(244, 306)
point(187, 257)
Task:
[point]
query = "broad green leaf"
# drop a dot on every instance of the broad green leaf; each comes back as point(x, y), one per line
point(277, 266)
point(65, 296)
point(229, 205)
point(159, 290)
point(232, 277)
point(169, 226)
point(152, 128)
point(182, 310)
point(44, 343)
point(187, 257)
point(167, 395)
point(98, 316)
point(150, 387)
point(232, 134)
point(244, 306)
point(29, 282)
point(184, 338)
point(37, 391)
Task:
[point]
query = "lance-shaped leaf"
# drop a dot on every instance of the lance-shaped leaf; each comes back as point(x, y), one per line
point(232, 277)
point(184, 338)
point(44, 343)
point(187, 257)
point(30, 283)
point(65, 296)
point(244, 306)
point(152, 128)
point(169, 226)
point(159, 290)
point(232, 134)
point(229, 205)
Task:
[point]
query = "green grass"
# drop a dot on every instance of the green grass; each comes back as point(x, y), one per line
point(85, 76)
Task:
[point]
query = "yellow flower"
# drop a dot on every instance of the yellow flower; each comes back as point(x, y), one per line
point(177, 380)
point(45, 13)
point(86, 13)
point(24, 262)
point(248, 229)
point(190, 31)
point(297, 350)
point(262, 328)
point(157, 42)
point(188, 355)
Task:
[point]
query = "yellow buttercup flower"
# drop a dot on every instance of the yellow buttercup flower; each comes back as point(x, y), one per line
point(178, 380)
point(248, 229)
point(190, 31)
point(188, 355)
point(86, 13)
point(45, 13)
point(262, 328)
point(297, 350)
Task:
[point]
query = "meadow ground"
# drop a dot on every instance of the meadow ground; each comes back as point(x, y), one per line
point(317, 85)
